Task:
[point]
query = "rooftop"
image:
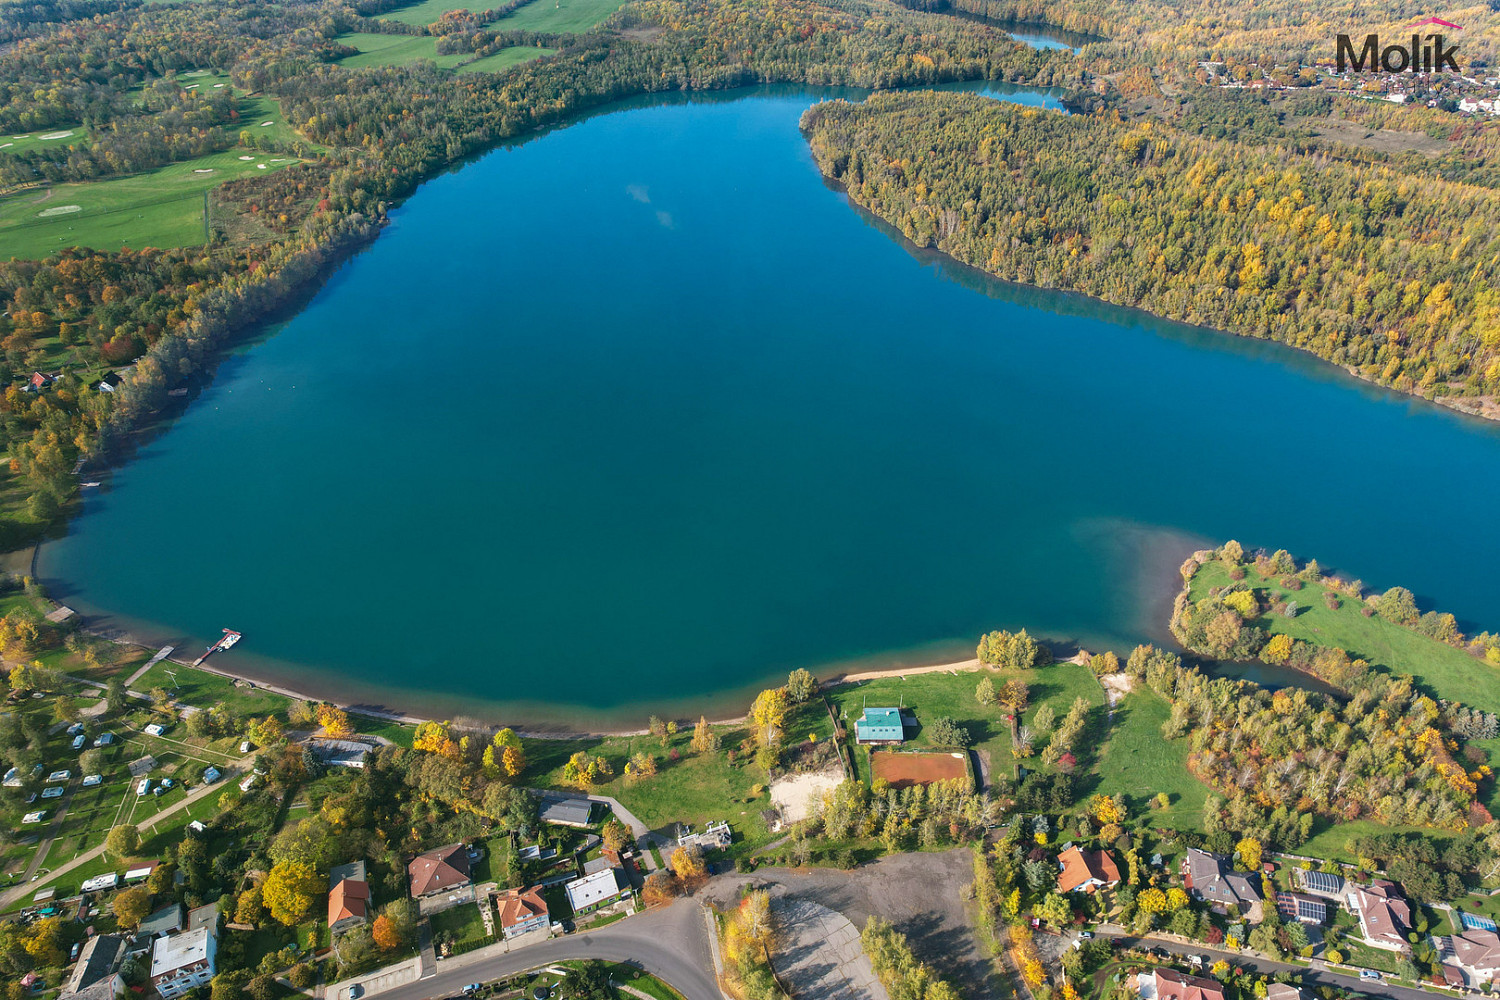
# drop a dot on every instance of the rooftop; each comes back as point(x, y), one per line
point(179, 951)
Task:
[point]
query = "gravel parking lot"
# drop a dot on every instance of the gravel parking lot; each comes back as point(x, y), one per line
point(921, 894)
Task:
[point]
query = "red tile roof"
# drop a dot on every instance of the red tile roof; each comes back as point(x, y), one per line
point(1079, 866)
point(1176, 986)
point(350, 898)
point(437, 870)
point(520, 905)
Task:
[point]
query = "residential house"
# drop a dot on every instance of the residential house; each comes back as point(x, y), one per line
point(715, 836)
point(1086, 871)
point(594, 890)
point(348, 896)
point(1164, 984)
point(1474, 954)
point(181, 962)
point(96, 976)
point(109, 383)
point(438, 871)
point(1282, 991)
point(1311, 910)
point(880, 726)
point(170, 919)
point(1384, 914)
point(203, 916)
point(521, 911)
point(568, 812)
point(38, 381)
point(342, 753)
point(1212, 878)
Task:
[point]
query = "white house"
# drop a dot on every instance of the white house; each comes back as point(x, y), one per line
point(594, 890)
point(179, 962)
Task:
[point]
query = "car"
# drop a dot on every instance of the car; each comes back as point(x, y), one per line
point(1085, 935)
point(1369, 974)
point(159, 790)
point(245, 747)
point(167, 783)
point(79, 741)
point(104, 739)
point(356, 991)
point(155, 729)
point(473, 988)
point(77, 947)
point(75, 729)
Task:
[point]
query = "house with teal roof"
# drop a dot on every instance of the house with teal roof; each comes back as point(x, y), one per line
point(880, 725)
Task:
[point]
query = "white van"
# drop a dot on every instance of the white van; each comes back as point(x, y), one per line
point(143, 787)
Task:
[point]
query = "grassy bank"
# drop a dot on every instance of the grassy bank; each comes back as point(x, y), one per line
point(1444, 671)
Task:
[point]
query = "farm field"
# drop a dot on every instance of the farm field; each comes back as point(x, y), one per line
point(394, 50)
point(559, 15)
point(160, 208)
point(505, 59)
point(1447, 672)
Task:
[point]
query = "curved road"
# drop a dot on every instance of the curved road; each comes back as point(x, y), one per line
point(671, 943)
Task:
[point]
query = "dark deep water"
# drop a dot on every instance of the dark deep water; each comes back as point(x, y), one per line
point(641, 412)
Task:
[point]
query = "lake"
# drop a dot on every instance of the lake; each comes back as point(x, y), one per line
point(640, 414)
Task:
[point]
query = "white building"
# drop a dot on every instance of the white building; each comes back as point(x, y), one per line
point(180, 962)
point(594, 890)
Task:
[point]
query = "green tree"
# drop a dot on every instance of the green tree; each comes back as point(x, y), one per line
point(1055, 909)
point(984, 692)
point(801, 685)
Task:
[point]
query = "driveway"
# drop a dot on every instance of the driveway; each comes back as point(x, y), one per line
point(921, 894)
point(671, 943)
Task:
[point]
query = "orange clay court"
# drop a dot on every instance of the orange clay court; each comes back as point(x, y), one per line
point(902, 769)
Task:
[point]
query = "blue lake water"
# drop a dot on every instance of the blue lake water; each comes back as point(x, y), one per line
point(641, 413)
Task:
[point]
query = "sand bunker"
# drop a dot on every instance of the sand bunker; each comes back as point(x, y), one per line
point(260, 166)
point(6, 145)
point(247, 157)
point(218, 86)
point(191, 86)
point(55, 135)
point(266, 124)
point(59, 210)
point(798, 795)
point(204, 170)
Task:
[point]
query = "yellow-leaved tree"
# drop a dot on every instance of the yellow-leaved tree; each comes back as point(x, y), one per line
point(289, 891)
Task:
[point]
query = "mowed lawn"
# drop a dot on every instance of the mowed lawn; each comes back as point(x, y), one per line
point(505, 59)
point(951, 694)
point(559, 15)
point(430, 10)
point(1139, 763)
point(158, 208)
point(202, 689)
point(58, 136)
point(394, 50)
point(1449, 673)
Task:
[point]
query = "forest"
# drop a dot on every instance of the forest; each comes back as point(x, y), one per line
point(1380, 272)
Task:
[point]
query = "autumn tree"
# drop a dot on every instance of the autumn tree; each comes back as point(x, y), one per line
point(1014, 696)
point(1011, 650)
point(131, 906)
point(768, 715)
point(334, 721)
point(800, 685)
point(984, 692)
point(384, 933)
point(584, 769)
point(266, 732)
point(123, 841)
point(705, 740)
point(510, 754)
point(433, 737)
point(250, 908)
point(688, 863)
point(641, 765)
point(289, 891)
point(615, 833)
point(1248, 851)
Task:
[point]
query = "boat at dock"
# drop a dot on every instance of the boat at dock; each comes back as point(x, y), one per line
point(229, 639)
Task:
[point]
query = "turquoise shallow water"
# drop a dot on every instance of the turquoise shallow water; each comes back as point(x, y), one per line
point(641, 412)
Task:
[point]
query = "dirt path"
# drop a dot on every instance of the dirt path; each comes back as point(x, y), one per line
point(869, 675)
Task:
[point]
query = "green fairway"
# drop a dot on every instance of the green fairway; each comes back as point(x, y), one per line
point(505, 59)
point(559, 15)
point(158, 208)
point(1447, 672)
point(61, 136)
point(394, 50)
point(1138, 762)
point(429, 11)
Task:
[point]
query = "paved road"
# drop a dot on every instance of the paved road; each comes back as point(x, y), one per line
point(671, 943)
point(1314, 976)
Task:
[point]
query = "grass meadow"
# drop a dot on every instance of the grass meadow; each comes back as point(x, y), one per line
point(394, 50)
point(505, 59)
point(557, 15)
point(1447, 672)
